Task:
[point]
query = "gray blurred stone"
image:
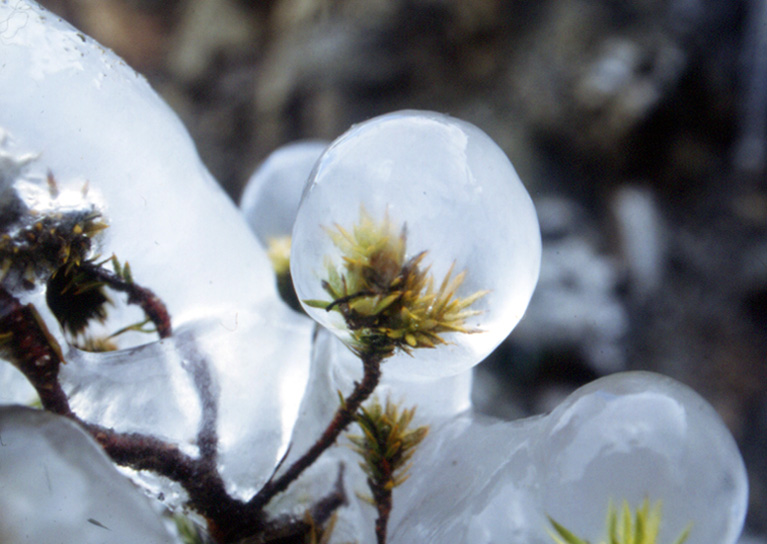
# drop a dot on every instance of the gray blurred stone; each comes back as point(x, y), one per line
point(575, 306)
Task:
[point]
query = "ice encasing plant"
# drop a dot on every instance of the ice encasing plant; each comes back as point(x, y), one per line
point(389, 302)
point(386, 445)
point(423, 198)
point(624, 527)
point(202, 418)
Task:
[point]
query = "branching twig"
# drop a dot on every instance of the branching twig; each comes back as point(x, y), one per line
point(343, 417)
point(153, 307)
point(207, 436)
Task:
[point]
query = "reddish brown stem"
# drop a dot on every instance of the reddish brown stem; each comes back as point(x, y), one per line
point(383, 502)
point(343, 417)
point(34, 351)
point(27, 343)
point(151, 304)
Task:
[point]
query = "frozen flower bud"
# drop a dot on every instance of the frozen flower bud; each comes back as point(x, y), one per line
point(416, 232)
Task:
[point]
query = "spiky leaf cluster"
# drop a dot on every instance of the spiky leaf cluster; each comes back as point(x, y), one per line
point(625, 528)
point(389, 302)
point(35, 246)
point(387, 443)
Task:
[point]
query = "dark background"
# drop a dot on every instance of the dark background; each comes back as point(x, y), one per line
point(637, 125)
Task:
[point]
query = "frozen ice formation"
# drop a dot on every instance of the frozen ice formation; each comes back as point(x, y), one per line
point(629, 436)
point(479, 480)
point(270, 199)
point(237, 354)
point(459, 199)
point(639, 435)
point(74, 109)
point(58, 486)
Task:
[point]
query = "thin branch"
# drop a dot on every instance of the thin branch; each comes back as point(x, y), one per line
point(343, 417)
point(207, 436)
point(34, 351)
point(383, 501)
point(199, 478)
point(288, 529)
point(153, 307)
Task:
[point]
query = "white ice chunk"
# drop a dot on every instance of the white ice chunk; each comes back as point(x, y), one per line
point(93, 119)
point(82, 114)
point(58, 486)
point(270, 199)
point(639, 435)
point(628, 437)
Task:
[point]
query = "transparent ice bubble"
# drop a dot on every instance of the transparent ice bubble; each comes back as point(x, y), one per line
point(270, 199)
point(636, 436)
point(459, 199)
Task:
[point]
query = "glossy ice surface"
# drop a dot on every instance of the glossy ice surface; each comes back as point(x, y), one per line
point(58, 486)
point(73, 108)
point(270, 199)
point(458, 197)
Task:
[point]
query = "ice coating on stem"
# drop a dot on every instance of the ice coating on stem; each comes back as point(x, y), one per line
point(455, 194)
point(58, 486)
point(74, 109)
point(270, 199)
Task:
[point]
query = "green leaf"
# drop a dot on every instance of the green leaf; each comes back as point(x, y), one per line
point(312, 303)
point(567, 537)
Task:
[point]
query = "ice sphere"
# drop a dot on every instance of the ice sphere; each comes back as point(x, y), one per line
point(270, 199)
point(74, 109)
point(457, 196)
point(635, 436)
point(629, 436)
point(58, 486)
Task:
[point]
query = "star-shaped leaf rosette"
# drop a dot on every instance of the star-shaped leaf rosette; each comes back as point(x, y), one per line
point(417, 243)
point(387, 301)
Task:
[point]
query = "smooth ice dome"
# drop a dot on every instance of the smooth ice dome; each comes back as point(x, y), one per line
point(270, 199)
point(630, 436)
point(58, 486)
point(459, 199)
point(636, 436)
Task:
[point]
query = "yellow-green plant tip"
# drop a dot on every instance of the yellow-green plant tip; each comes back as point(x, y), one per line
point(627, 527)
point(321, 304)
point(624, 526)
point(563, 535)
point(389, 303)
point(278, 251)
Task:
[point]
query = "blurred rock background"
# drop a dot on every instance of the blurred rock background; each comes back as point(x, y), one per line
point(640, 127)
